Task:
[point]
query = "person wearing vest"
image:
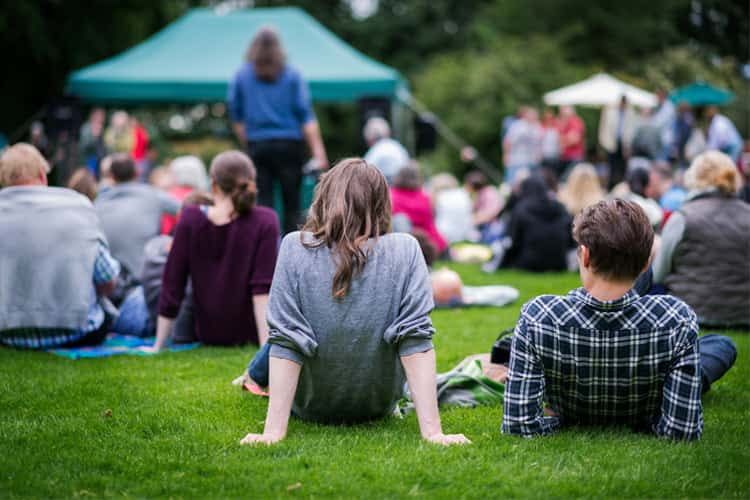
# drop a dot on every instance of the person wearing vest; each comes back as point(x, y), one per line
point(56, 265)
point(706, 245)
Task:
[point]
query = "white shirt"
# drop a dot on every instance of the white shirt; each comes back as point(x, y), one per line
point(722, 133)
point(389, 156)
point(453, 214)
point(524, 139)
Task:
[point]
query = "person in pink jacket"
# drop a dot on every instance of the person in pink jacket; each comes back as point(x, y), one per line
point(408, 198)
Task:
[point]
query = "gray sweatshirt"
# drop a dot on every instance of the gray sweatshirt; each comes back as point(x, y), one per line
point(350, 348)
point(130, 215)
point(47, 252)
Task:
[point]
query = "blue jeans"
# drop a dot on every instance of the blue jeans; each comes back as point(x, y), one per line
point(718, 354)
point(258, 367)
point(133, 318)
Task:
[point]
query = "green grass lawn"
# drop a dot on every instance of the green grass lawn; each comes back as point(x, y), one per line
point(170, 426)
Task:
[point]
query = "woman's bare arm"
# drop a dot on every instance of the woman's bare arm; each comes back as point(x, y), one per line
point(283, 378)
point(420, 373)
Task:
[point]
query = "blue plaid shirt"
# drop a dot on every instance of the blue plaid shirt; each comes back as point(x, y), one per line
point(632, 361)
point(106, 268)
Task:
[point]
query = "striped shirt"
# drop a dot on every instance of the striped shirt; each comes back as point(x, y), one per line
point(106, 268)
point(632, 361)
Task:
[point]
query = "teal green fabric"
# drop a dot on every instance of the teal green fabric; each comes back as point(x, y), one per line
point(701, 94)
point(193, 58)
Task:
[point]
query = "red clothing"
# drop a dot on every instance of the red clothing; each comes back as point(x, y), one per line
point(227, 264)
point(577, 150)
point(417, 207)
point(140, 143)
point(168, 221)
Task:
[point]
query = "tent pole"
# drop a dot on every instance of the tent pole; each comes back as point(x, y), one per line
point(453, 139)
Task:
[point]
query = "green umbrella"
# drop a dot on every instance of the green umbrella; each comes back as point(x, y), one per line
point(701, 94)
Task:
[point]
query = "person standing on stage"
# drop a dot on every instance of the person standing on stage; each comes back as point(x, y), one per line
point(272, 116)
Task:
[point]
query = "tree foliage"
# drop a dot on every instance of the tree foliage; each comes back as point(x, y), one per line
point(469, 59)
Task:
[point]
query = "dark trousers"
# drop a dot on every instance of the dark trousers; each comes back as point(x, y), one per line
point(718, 354)
point(96, 337)
point(617, 166)
point(280, 160)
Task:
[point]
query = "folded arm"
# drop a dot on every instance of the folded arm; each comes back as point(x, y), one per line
point(523, 412)
point(681, 408)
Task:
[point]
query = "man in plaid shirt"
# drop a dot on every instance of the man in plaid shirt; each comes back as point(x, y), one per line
point(604, 354)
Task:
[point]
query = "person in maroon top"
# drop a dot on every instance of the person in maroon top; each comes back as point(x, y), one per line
point(229, 252)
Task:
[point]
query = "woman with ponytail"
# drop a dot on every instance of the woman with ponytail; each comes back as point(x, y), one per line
point(348, 315)
point(229, 251)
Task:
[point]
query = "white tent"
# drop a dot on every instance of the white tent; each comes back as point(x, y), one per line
point(599, 90)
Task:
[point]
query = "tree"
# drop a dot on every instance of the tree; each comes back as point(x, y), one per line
point(43, 41)
point(473, 90)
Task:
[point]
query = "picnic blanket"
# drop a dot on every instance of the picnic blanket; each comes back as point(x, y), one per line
point(465, 386)
point(487, 296)
point(116, 345)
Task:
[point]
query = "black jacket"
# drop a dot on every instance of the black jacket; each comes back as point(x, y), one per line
point(540, 230)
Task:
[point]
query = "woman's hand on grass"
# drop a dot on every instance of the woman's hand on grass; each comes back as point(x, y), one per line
point(447, 439)
point(149, 349)
point(267, 439)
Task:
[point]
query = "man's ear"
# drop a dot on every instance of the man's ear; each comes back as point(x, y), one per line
point(585, 256)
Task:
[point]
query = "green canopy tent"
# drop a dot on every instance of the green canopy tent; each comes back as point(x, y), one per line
point(701, 94)
point(193, 58)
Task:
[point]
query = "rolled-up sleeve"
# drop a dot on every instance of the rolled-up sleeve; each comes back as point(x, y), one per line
point(412, 330)
point(681, 408)
point(523, 411)
point(290, 334)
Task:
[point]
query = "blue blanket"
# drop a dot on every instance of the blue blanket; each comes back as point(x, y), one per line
point(116, 345)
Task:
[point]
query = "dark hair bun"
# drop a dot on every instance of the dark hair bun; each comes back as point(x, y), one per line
point(243, 198)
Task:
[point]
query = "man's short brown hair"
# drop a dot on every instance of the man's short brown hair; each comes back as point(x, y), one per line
point(619, 237)
point(122, 167)
point(20, 164)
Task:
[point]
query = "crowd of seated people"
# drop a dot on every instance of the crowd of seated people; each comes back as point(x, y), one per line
point(221, 278)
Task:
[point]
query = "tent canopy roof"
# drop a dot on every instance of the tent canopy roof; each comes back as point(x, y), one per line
point(193, 58)
point(599, 90)
point(701, 94)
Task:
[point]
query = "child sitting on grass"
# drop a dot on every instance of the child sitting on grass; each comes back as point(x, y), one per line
point(348, 315)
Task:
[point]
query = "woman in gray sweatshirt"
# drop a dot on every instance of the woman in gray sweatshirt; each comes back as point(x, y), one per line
point(348, 314)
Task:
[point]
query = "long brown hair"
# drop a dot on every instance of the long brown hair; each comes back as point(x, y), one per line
point(266, 54)
point(351, 205)
point(234, 173)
